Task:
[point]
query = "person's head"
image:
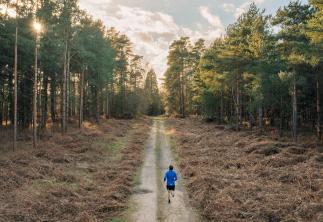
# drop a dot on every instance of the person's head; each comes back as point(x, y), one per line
point(171, 167)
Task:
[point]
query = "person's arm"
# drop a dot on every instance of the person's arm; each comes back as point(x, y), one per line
point(175, 176)
point(165, 177)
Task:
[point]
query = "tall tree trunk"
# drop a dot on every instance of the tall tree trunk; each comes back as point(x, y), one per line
point(107, 113)
point(1, 103)
point(75, 100)
point(11, 99)
point(68, 79)
point(237, 104)
point(251, 117)
point(123, 92)
point(112, 101)
point(81, 98)
point(64, 86)
point(107, 106)
point(222, 107)
point(6, 111)
point(35, 95)
point(1, 100)
point(183, 90)
point(260, 119)
point(318, 110)
point(180, 95)
point(97, 109)
point(281, 125)
point(53, 100)
point(183, 96)
point(44, 102)
point(294, 117)
point(16, 84)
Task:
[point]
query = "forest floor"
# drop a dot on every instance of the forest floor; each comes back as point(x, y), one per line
point(86, 175)
point(94, 174)
point(149, 202)
point(241, 176)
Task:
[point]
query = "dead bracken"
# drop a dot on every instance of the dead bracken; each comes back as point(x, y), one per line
point(76, 177)
point(239, 176)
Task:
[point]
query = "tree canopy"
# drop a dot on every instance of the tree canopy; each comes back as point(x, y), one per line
point(84, 68)
point(248, 76)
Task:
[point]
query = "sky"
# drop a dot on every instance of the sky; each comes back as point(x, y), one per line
point(152, 25)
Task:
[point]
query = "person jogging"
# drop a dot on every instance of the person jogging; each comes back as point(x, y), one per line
point(170, 178)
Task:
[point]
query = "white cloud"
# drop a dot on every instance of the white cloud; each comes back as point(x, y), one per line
point(241, 9)
point(244, 7)
point(259, 1)
point(229, 7)
point(214, 20)
point(128, 19)
point(151, 32)
point(97, 4)
point(97, 8)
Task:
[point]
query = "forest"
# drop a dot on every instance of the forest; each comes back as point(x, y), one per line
point(265, 72)
point(59, 65)
point(91, 129)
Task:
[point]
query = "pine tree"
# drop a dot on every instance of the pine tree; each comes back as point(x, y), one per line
point(154, 106)
point(293, 43)
point(176, 76)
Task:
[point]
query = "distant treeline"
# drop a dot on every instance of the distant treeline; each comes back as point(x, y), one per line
point(253, 75)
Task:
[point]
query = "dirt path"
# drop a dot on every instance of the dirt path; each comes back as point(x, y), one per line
point(149, 203)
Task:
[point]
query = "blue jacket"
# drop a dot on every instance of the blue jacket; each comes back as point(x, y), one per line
point(170, 177)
